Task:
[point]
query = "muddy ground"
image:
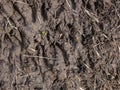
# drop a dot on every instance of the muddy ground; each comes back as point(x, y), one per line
point(59, 44)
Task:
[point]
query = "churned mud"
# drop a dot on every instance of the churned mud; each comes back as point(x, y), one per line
point(59, 44)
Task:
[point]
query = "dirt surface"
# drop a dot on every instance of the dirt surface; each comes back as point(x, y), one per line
point(59, 44)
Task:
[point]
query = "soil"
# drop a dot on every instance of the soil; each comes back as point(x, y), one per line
point(59, 44)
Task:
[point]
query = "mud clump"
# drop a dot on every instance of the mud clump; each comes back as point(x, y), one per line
point(59, 44)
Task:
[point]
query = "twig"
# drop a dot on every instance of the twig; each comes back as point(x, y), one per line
point(11, 24)
point(70, 6)
point(81, 88)
point(105, 36)
point(38, 57)
point(94, 47)
point(119, 49)
point(21, 2)
point(92, 15)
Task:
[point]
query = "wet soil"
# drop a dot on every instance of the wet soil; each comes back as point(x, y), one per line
point(59, 44)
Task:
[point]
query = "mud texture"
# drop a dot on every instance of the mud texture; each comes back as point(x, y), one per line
point(59, 44)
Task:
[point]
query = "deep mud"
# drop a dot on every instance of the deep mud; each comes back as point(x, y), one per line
point(59, 44)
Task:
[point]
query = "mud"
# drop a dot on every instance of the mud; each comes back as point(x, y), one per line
point(59, 44)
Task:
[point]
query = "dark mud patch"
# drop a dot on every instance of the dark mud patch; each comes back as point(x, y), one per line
point(59, 44)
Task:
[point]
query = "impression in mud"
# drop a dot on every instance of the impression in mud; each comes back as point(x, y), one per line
point(59, 44)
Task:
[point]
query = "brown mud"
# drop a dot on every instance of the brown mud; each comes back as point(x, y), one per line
point(59, 44)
